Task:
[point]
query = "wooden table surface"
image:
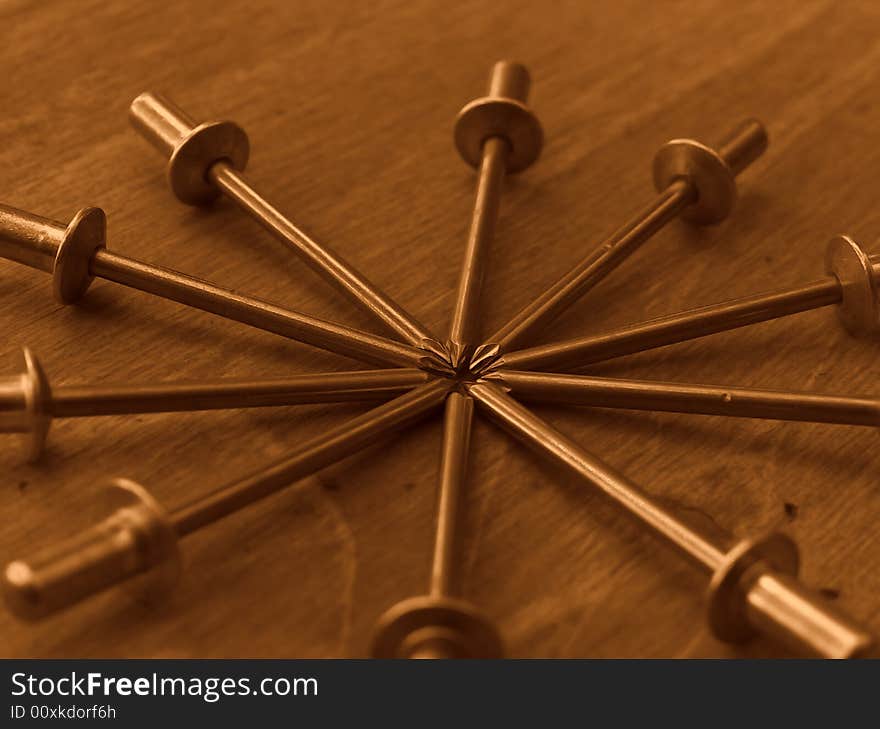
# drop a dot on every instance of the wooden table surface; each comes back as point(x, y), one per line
point(349, 107)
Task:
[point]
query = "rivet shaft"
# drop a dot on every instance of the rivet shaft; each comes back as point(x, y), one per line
point(88, 400)
point(198, 294)
point(165, 126)
point(464, 330)
point(35, 242)
point(107, 554)
point(701, 549)
point(677, 397)
point(336, 444)
point(737, 150)
point(773, 603)
point(508, 80)
point(457, 421)
point(680, 327)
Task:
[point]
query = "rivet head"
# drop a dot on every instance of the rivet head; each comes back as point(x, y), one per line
point(156, 540)
point(71, 275)
point(706, 171)
point(25, 405)
point(859, 309)
point(499, 117)
point(197, 151)
point(726, 609)
point(433, 624)
point(38, 396)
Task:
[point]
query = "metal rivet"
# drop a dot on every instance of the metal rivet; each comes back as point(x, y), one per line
point(75, 253)
point(726, 606)
point(65, 251)
point(442, 625)
point(711, 173)
point(502, 114)
point(435, 626)
point(191, 148)
point(751, 585)
point(693, 181)
point(28, 404)
point(139, 536)
point(853, 285)
point(206, 160)
point(493, 137)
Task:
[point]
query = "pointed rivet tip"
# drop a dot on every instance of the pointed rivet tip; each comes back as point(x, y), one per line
point(437, 351)
point(486, 356)
point(460, 355)
point(436, 365)
point(495, 378)
point(434, 346)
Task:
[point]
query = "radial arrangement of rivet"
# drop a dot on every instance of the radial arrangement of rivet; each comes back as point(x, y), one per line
point(752, 584)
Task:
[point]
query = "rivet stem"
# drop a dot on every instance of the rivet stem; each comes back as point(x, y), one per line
point(702, 550)
point(88, 401)
point(464, 330)
point(590, 271)
point(313, 455)
point(457, 421)
point(260, 314)
point(680, 327)
point(677, 397)
point(508, 80)
point(329, 264)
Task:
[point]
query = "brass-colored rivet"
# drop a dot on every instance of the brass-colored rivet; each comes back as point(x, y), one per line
point(74, 254)
point(498, 134)
point(752, 585)
point(205, 160)
point(139, 537)
point(440, 624)
point(28, 404)
point(692, 180)
point(502, 114)
point(711, 172)
point(852, 284)
point(191, 148)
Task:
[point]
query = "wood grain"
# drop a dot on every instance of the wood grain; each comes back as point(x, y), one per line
point(349, 108)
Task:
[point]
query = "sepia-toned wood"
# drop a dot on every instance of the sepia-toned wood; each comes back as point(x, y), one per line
point(349, 107)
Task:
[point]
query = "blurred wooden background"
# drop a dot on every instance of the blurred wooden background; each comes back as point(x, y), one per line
point(349, 107)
